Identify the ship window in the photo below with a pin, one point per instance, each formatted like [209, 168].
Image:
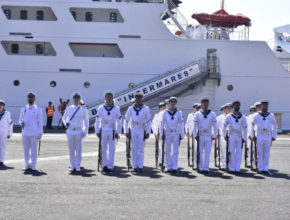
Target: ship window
[230, 87]
[16, 83]
[87, 84]
[96, 50]
[39, 15]
[36, 48]
[113, 17]
[39, 49]
[53, 84]
[89, 16]
[14, 48]
[23, 14]
[7, 13]
[74, 14]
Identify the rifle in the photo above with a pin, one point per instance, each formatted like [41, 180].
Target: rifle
[156, 150]
[188, 151]
[246, 153]
[197, 153]
[128, 150]
[39, 145]
[256, 154]
[163, 152]
[228, 152]
[192, 153]
[100, 151]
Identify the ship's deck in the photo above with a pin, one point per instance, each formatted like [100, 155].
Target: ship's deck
[52, 193]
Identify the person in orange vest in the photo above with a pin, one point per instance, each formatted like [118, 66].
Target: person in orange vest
[49, 113]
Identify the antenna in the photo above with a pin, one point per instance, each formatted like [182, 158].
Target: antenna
[223, 4]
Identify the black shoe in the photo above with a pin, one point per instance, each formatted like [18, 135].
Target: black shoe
[206, 172]
[140, 170]
[2, 164]
[267, 173]
[174, 171]
[231, 172]
[110, 170]
[105, 169]
[260, 172]
[135, 170]
[169, 171]
[238, 173]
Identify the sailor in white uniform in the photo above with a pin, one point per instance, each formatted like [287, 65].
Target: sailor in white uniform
[204, 131]
[223, 144]
[76, 120]
[220, 120]
[189, 131]
[156, 122]
[236, 124]
[6, 130]
[32, 129]
[108, 126]
[172, 126]
[266, 127]
[250, 118]
[138, 119]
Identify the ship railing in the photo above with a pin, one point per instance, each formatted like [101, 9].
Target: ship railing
[135, 1]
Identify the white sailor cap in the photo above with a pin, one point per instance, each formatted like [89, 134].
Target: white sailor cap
[205, 99]
[138, 94]
[76, 95]
[172, 98]
[195, 105]
[222, 107]
[2, 102]
[228, 104]
[166, 101]
[161, 104]
[257, 104]
[264, 101]
[108, 93]
[252, 108]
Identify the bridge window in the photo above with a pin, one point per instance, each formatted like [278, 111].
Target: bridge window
[23, 15]
[96, 15]
[113, 17]
[89, 16]
[7, 13]
[28, 48]
[37, 13]
[39, 49]
[40, 15]
[96, 50]
[14, 48]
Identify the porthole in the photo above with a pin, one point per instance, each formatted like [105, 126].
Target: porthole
[16, 83]
[230, 87]
[131, 85]
[87, 84]
[53, 84]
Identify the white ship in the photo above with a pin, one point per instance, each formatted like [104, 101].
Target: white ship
[56, 47]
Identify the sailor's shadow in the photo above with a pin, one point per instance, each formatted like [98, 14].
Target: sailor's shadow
[278, 175]
[149, 172]
[118, 172]
[182, 173]
[35, 173]
[84, 173]
[215, 173]
[246, 174]
[4, 167]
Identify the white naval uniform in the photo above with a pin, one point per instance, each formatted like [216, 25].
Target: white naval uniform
[109, 120]
[266, 126]
[172, 126]
[189, 130]
[156, 123]
[223, 143]
[138, 119]
[205, 127]
[76, 131]
[249, 122]
[6, 129]
[31, 116]
[237, 127]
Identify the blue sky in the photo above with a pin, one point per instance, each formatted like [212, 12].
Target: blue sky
[265, 14]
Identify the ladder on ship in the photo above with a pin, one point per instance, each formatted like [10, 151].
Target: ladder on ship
[172, 83]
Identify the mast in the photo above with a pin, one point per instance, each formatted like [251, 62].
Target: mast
[223, 4]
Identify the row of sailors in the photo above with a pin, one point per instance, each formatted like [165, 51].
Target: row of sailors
[202, 124]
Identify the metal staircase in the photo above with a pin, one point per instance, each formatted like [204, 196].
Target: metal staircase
[172, 83]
